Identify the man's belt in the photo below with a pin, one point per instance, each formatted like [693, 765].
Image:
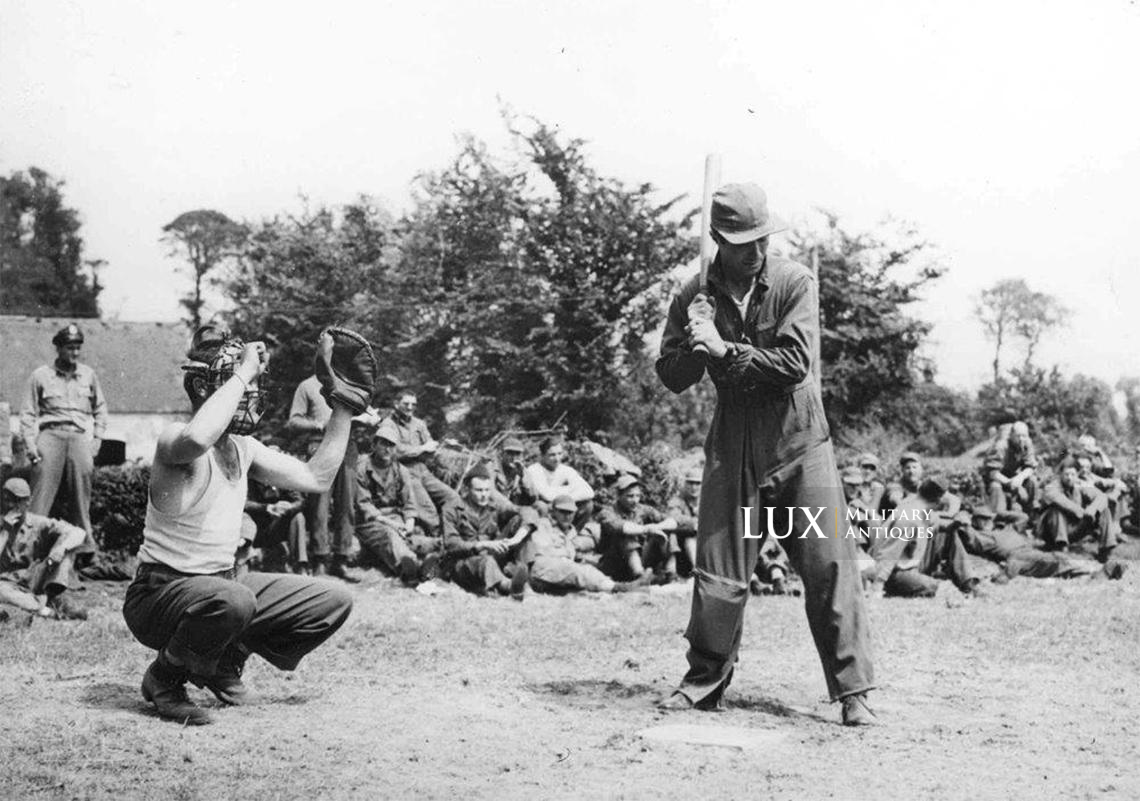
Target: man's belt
[62, 426]
[155, 568]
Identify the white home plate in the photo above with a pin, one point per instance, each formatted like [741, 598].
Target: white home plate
[737, 737]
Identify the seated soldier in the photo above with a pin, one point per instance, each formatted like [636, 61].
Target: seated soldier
[1074, 510]
[1017, 554]
[37, 556]
[280, 532]
[512, 484]
[386, 512]
[1013, 486]
[873, 488]
[551, 477]
[481, 541]
[556, 558]
[1113, 488]
[1005, 513]
[683, 507]
[910, 469]
[861, 517]
[635, 537]
[916, 545]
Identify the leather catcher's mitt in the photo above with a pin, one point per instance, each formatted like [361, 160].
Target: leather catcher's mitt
[346, 368]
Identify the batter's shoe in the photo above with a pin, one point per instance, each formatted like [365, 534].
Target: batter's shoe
[166, 689]
[856, 712]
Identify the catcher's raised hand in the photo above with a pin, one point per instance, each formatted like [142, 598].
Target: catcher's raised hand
[346, 368]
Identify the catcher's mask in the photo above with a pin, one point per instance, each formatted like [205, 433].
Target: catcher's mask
[218, 371]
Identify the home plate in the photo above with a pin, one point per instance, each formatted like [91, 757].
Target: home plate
[738, 737]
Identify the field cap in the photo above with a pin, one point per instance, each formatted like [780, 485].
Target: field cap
[995, 462]
[18, 487]
[852, 475]
[564, 503]
[983, 511]
[626, 481]
[694, 476]
[909, 456]
[68, 335]
[512, 444]
[869, 460]
[388, 432]
[740, 214]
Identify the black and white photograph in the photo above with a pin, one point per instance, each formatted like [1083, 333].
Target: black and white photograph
[560, 400]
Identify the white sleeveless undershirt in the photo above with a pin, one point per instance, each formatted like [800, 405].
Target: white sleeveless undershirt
[203, 537]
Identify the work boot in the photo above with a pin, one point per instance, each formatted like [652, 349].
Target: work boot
[518, 582]
[429, 568]
[226, 683]
[679, 702]
[65, 609]
[336, 570]
[165, 686]
[856, 712]
[409, 570]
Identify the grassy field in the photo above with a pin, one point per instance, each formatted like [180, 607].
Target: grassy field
[1030, 693]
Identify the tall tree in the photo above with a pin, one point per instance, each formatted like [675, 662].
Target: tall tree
[42, 269]
[1011, 309]
[300, 273]
[536, 279]
[205, 238]
[869, 344]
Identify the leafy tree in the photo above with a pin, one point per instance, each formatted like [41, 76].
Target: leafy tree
[299, 274]
[868, 343]
[205, 238]
[1130, 386]
[536, 281]
[42, 269]
[1010, 308]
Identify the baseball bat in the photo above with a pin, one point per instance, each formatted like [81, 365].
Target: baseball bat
[712, 181]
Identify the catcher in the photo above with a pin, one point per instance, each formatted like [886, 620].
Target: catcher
[186, 601]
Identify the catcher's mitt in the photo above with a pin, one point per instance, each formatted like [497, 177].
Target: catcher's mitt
[346, 368]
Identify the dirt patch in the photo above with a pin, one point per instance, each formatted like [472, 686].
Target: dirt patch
[1028, 693]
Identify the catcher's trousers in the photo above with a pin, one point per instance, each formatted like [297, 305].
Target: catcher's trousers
[196, 618]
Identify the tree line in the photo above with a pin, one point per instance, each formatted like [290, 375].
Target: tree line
[524, 288]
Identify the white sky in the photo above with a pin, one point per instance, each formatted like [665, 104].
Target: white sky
[1008, 132]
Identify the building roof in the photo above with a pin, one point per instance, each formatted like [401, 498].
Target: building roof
[137, 363]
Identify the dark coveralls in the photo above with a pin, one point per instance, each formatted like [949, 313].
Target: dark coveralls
[769, 445]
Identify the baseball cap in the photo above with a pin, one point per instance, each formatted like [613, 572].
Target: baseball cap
[387, 431]
[18, 487]
[740, 214]
[626, 481]
[564, 503]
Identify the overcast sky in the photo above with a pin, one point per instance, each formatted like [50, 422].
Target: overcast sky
[1008, 132]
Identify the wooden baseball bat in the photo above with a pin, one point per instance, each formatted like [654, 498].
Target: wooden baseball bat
[712, 181]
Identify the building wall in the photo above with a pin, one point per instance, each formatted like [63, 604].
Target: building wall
[140, 432]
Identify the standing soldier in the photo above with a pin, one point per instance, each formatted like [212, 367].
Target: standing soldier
[328, 515]
[63, 420]
[756, 334]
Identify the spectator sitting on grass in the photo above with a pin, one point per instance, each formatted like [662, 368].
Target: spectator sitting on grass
[637, 538]
[37, 556]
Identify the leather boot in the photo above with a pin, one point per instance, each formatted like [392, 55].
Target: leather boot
[336, 570]
[164, 685]
[226, 683]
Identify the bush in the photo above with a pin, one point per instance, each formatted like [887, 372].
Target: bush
[118, 506]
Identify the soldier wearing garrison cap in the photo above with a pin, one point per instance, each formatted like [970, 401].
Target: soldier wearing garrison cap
[753, 327]
[63, 417]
